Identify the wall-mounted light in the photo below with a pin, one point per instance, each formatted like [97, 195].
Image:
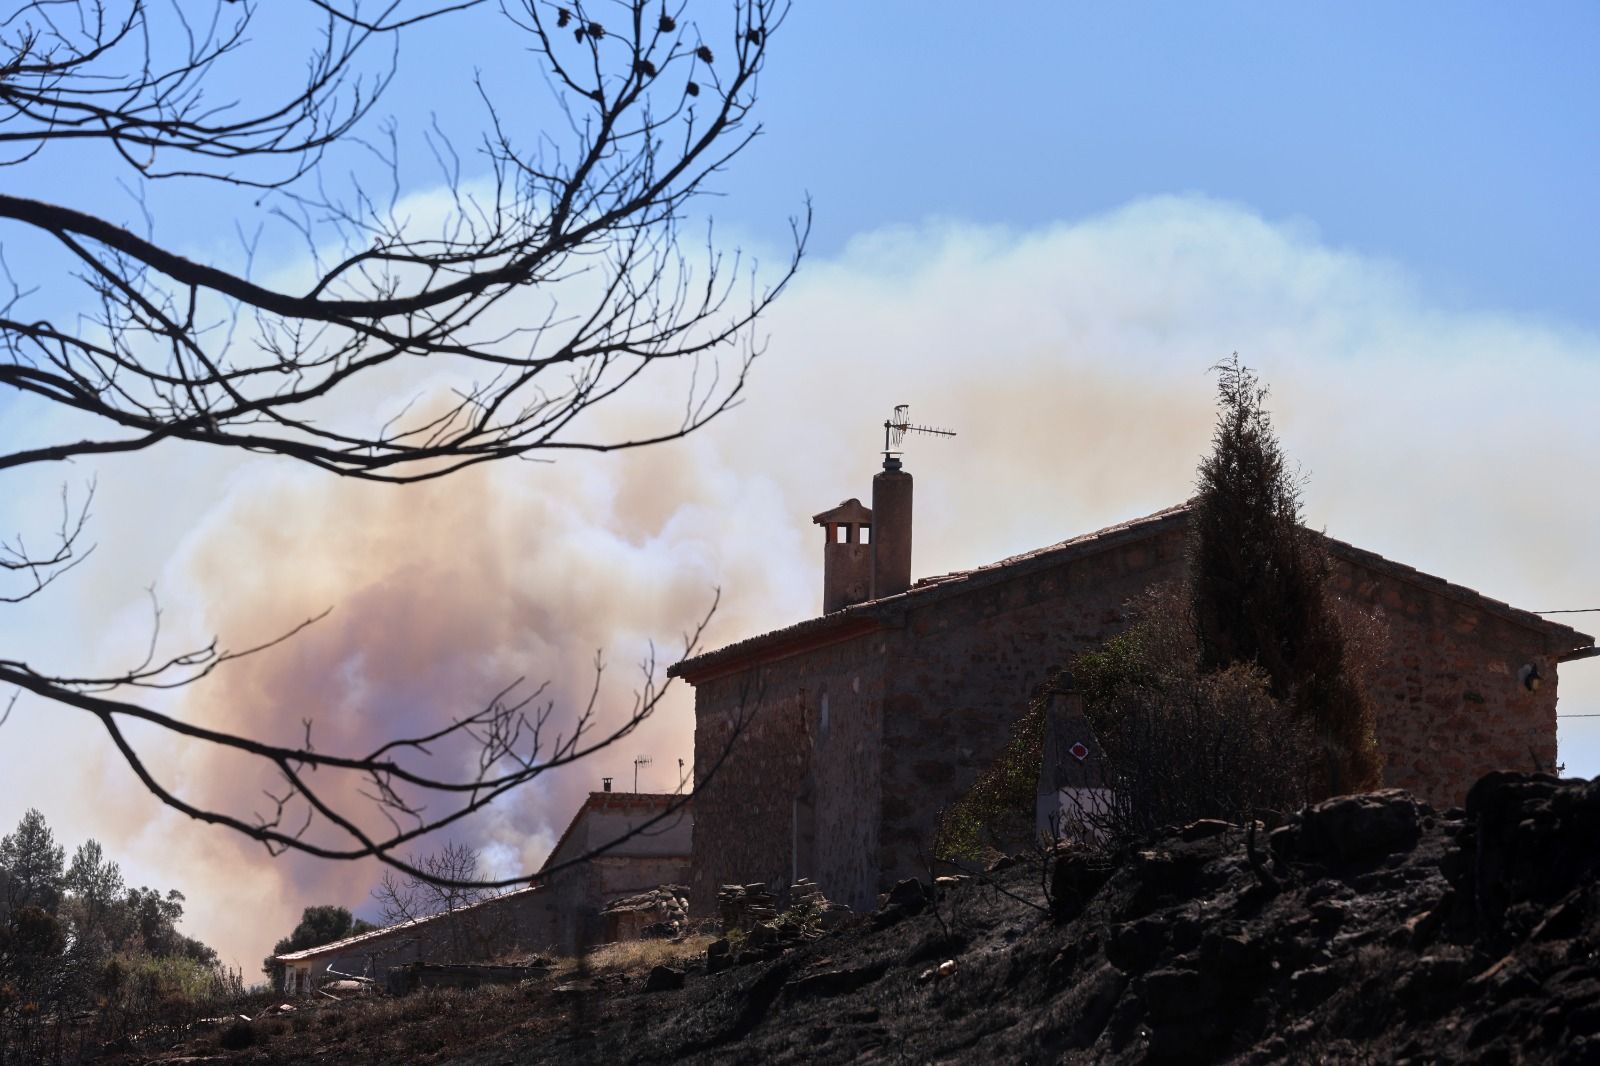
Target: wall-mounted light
[1531, 678]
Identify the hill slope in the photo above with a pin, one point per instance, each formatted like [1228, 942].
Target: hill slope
[1370, 929]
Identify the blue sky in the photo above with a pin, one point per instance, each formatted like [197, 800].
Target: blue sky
[1040, 227]
[1460, 140]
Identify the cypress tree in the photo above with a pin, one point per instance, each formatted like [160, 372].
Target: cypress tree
[1258, 581]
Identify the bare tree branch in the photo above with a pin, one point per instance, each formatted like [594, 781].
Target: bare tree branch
[538, 292]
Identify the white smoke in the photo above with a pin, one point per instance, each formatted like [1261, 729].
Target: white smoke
[1072, 362]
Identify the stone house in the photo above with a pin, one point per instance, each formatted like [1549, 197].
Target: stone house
[561, 911]
[505, 924]
[658, 853]
[858, 726]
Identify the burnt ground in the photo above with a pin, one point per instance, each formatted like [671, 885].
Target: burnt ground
[1368, 929]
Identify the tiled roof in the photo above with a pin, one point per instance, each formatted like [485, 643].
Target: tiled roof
[339, 946]
[645, 801]
[872, 614]
[615, 801]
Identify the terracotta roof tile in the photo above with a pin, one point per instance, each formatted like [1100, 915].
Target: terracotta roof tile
[871, 614]
[649, 801]
[374, 934]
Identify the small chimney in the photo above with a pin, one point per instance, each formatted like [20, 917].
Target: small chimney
[846, 555]
[605, 783]
[891, 531]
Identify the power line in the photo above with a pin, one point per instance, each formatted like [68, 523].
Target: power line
[1573, 610]
[1578, 716]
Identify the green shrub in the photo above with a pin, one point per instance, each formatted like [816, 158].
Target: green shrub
[997, 812]
[1178, 742]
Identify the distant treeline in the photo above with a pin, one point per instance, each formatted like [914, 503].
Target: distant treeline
[84, 958]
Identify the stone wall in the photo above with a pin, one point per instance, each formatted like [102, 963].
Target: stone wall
[576, 896]
[607, 818]
[1450, 696]
[793, 791]
[965, 666]
[518, 921]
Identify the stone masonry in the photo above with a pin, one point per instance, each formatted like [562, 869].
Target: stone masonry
[858, 727]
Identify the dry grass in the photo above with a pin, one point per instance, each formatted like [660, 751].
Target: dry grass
[629, 956]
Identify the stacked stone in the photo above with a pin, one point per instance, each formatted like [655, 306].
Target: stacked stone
[668, 905]
[806, 890]
[768, 934]
[743, 906]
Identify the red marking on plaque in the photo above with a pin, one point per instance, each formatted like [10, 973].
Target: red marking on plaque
[1079, 752]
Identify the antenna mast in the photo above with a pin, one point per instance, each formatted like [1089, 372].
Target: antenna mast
[895, 430]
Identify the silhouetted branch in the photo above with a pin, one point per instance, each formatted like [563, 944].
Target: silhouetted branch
[535, 293]
[510, 752]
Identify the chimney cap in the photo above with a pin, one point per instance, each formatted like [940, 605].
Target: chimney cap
[851, 512]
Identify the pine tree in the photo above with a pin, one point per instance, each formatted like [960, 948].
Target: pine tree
[31, 866]
[318, 926]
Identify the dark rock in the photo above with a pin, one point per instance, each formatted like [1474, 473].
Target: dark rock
[663, 979]
[1135, 947]
[1432, 980]
[238, 1036]
[910, 894]
[1330, 913]
[1094, 999]
[1314, 984]
[892, 914]
[1584, 1020]
[1181, 1040]
[1328, 888]
[1283, 841]
[1177, 994]
[1184, 934]
[1074, 880]
[1233, 954]
[1123, 1024]
[1360, 829]
[834, 982]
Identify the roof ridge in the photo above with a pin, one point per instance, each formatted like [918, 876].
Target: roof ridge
[867, 611]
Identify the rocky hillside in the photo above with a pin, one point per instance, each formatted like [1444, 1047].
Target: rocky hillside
[1369, 929]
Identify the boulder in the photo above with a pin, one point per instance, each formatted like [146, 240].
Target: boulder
[663, 979]
[1354, 830]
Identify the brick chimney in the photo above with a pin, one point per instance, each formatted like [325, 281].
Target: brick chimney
[891, 532]
[846, 555]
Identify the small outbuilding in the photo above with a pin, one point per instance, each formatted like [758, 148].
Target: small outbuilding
[619, 845]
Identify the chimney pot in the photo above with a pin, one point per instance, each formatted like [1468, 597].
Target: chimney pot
[605, 783]
[846, 562]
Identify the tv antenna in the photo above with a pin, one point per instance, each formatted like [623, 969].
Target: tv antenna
[642, 760]
[895, 430]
